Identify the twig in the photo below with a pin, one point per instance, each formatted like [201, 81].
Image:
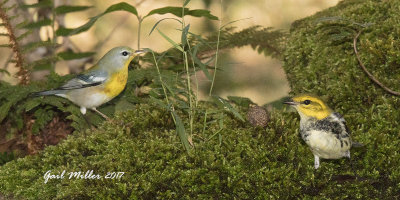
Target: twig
[367, 72]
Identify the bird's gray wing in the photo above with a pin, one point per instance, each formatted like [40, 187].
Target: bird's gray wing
[341, 119]
[353, 143]
[89, 79]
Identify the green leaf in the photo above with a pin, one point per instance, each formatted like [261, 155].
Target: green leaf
[184, 35]
[180, 130]
[44, 63]
[43, 116]
[29, 105]
[156, 24]
[202, 66]
[69, 55]
[186, 3]
[23, 35]
[222, 103]
[4, 110]
[202, 13]
[68, 9]
[170, 41]
[42, 66]
[44, 22]
[55, 101]
[22, 24]
[159, 103]
[62, 31]
[177, 11]
[41, 4]
[33, 45]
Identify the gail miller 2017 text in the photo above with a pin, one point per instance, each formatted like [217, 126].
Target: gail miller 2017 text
[89, 174]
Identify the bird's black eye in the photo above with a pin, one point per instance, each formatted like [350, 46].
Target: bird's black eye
[124, 53]
[307, 102]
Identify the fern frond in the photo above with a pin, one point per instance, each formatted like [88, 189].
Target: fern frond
[264, 40]
[23, 73]
[43, 117]
[34, 45]
[23, 35]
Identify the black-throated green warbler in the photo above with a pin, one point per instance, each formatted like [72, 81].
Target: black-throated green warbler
[324, 130]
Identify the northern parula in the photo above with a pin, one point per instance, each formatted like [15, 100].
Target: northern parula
[100, 83]
[323, 130]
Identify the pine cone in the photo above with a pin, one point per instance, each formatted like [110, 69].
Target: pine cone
[257, 116]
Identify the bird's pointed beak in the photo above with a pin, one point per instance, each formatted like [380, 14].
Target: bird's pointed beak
[290, 102]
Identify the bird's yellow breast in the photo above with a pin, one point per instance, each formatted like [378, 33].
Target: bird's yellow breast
[116, 83]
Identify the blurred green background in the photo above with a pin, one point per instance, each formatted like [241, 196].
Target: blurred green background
[244, 72]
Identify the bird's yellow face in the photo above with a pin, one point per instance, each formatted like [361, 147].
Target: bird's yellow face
[121, 57]
[310, 106]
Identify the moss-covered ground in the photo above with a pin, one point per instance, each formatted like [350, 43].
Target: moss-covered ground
[240, 161]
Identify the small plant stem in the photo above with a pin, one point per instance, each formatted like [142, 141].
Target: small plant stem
[189, 91]
[195, 75]
[140, 19]
[191, 117]
[216, 53]
[162, 85]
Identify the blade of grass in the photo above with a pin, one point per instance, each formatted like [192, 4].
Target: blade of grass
[170, 41]
[228, 107]
[216, 53]
[180, 130]
[162, 85]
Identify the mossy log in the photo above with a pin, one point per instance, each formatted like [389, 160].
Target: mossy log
[240, 161]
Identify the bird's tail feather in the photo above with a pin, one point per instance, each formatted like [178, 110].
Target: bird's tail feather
[47, 93]
[356, 144]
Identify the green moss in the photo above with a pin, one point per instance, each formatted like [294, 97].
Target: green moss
[148, 150]
[317, 62]
[240, 161]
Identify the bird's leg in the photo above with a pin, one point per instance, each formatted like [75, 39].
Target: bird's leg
[316, 161]
[107, 118]
[103, 115]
